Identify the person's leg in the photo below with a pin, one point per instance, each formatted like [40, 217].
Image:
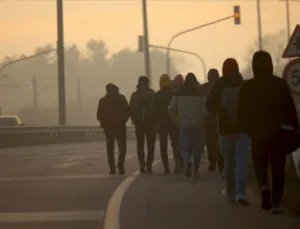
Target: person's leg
[242, 145]
[211, 142]
[260, 159]
[163, 140]
[227, 149]
[173, 131]
[184, 145]
[278, 160]
[140, 139]
[199, 140]
[110, 146]
[122, 145]
[151, 138]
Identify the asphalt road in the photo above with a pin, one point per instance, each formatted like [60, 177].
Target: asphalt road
[67, 187]
[57, 186]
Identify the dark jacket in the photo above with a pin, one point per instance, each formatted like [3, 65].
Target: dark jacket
[141, 107]
[214, 100]
[265, 104]
[162, 100]
[113, 110]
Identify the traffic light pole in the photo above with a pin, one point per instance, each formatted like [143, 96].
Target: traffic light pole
[187, 31]
[61, 65]
[146, 41]
[183, 51]
[260, 42]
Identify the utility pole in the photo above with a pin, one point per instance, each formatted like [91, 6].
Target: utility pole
[288, 19]
[79, 93]
[146, 40]
[260, 42]
[61, 64]
[34, 92]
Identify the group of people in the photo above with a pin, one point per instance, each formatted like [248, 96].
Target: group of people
[229, 115]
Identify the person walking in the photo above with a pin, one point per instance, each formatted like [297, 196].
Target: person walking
[142, 116]
[265, 109]
[211, 128]
[234, 143]
[113, 114]
[166, 126]
[177, 82]
[186, 111]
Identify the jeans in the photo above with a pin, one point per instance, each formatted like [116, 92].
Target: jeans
[235, 150]
[191, 138]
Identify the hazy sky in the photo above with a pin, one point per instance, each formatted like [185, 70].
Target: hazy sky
[26, 24]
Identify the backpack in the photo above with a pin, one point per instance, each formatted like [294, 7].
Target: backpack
[229, 104]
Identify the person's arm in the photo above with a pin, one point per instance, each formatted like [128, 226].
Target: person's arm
[132, 107]
[173, 109]
[126, 109]
[214, 98]
[245, 110]
[100, 110]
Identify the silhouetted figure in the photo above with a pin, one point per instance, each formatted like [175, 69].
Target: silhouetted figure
[211, 128]
[234, 143]
[141, 106]
[186, 111]
[113, 114]
[166, 127]
[177, 82]
[265, 105]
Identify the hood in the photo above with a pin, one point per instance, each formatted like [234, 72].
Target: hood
[191, 81]
[213, 75]
[234, 79]
[178, 80]
[230, 66]
[165, 81]
[262, 65]
[112, 89]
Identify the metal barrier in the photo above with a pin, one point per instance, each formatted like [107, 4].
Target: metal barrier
[22, 136]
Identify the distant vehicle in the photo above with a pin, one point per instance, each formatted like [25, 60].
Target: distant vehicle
[10, 121]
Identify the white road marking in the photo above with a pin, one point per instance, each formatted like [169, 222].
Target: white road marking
[79, 157]
[51, 216]
[66, 165]
[112, 216]
[44, 178]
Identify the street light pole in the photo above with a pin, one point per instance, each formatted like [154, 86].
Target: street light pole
[78, 93]
[288, 21]
[186, 52]
[34, 92]
[61, 64]
[187, 31]
[146, 41]
[260, 42]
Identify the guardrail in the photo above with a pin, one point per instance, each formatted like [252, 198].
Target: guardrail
[21, 136]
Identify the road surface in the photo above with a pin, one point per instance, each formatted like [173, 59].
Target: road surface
[67, 187]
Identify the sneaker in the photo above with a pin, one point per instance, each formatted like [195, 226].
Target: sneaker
[226, 197]
[266, 199]
[112, 172]
[142, 169]
[121, 171]
[276, 210]
[149, 170]
[167, 171]
[211, 169]
[243, 202]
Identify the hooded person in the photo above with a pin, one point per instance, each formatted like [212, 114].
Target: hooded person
[113, 114]
[143, 118]
[265, 107]
[234, 143]
[166, 126]
[186, 111]
[177, 82]
[211, 127]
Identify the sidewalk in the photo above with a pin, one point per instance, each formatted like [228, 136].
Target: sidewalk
[175, 202]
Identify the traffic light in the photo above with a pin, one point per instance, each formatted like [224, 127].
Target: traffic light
[237, 15]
